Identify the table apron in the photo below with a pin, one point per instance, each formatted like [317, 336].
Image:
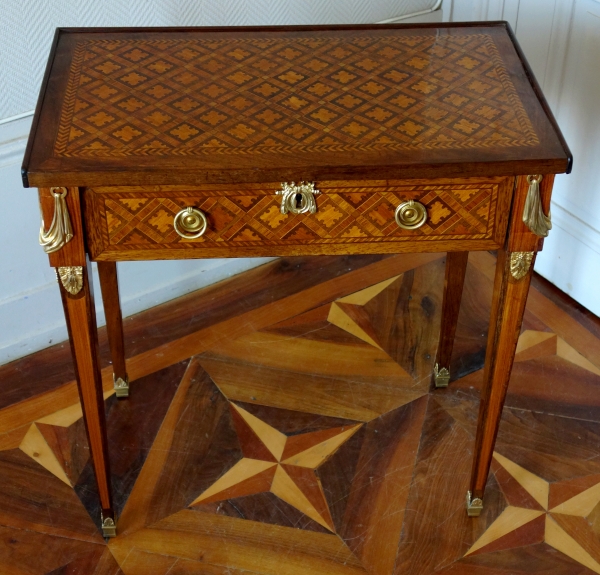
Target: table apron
[349, 217]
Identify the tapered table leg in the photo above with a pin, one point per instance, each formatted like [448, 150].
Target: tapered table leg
[511, 285]
[78, 302]
[456, 267]
[109, 285]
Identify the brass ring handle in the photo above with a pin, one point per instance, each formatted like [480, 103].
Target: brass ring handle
[190, 223]
[411, 215]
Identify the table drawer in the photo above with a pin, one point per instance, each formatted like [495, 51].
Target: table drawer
[352, 216]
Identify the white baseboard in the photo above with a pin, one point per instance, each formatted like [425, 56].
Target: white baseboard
[31, 321]
[572, 224]
[31, 316]
[571, 258]
[34, 320]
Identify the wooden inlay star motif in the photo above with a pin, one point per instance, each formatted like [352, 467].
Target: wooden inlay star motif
[372, 91]
[564, 515]
[283, 465]
[392, 485]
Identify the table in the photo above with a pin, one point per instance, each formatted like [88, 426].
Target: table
[173, 143]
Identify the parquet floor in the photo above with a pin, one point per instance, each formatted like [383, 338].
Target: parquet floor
[282, 422]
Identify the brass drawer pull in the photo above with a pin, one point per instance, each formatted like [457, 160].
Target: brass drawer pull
[298, 199]
[411, 215]
[190, 223]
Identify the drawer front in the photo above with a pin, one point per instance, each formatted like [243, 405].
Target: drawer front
[351, 217]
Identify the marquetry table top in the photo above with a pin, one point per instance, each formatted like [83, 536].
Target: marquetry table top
[163, 106]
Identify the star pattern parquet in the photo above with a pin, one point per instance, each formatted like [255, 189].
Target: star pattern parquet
[279, 464]
[301, 435]
[186, 97]
[560, 514]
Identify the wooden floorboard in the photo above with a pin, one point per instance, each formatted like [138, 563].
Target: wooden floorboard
[147, 330]
[283, 422]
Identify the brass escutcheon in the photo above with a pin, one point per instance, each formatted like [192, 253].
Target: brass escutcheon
[298, 198]
[411, 215]
[190, 223]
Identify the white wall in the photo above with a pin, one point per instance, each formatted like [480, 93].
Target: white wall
[571, 257]
[31, 316]
[30, 311]
[561, 40]
[27, 26]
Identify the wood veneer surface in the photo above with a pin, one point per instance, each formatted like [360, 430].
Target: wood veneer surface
[358, 461]
[352, 217]
[164, 106]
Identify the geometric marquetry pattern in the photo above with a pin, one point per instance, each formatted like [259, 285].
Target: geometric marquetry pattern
[559, 514]
[348, 313]
[369, 91]
[304, 438]
[47, 443]
[535, 344]
[280, 464]
[353, 215]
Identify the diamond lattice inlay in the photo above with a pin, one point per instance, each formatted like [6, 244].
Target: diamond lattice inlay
[347, 215]
[285, 94]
